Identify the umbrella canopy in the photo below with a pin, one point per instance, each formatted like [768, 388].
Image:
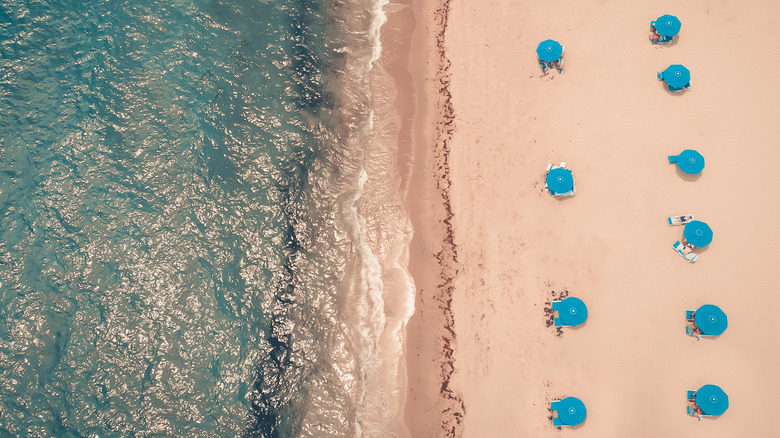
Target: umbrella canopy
[668, 25]
[549, 50]
[677, 75]
[711, 399]
[690, 161]
[698, 233]
[711, 320]
[571, 411]
[572, 311]
[560, 180]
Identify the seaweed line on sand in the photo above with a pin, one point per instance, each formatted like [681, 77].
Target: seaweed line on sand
[453, 407]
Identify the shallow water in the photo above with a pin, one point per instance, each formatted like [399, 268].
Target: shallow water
[200, 223]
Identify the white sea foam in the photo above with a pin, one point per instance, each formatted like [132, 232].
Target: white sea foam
[377, 292]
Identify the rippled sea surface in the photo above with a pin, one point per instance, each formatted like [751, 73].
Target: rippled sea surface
[186, 242]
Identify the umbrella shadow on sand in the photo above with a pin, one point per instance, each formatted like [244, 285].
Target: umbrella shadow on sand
[678, 93]
[686, 176]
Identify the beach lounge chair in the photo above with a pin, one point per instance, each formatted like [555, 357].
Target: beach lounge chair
[558, 64]
[661, 38]
[688, 330]
[563, 164]
[690, 411]
[678, 220]
[673, 158]
[676, 89]
[549, 166]
[660, 76]
[689, 314]
[556, 305]
[569, 193]
[554, 406]
[679, 247]
[558, 322]
[691, 395]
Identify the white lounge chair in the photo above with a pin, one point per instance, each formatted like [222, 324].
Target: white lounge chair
[569, 193]
[679, 247]
[678, 220]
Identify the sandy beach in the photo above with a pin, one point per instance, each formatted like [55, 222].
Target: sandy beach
[491, 249]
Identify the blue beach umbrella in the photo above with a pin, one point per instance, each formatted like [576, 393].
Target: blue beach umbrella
[572, 311]
[698, 233]
[559, 180]
[690, 161]
[677, 75]
[668, 25]
[549, 50]
[712, 400]
[711, 320]
[571, 411]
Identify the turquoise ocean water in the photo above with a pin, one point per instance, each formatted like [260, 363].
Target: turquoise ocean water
[200, 226]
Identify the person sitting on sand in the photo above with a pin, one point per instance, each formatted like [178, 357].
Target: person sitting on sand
[654, 35]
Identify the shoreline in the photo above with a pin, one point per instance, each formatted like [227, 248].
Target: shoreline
[431, 337]
[394, 63]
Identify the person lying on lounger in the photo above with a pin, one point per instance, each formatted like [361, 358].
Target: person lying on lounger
[696, 332]
[558, 64]
[654, 35]
[697, 412]
[680, 220]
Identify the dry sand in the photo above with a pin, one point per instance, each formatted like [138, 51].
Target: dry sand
[482, 362]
